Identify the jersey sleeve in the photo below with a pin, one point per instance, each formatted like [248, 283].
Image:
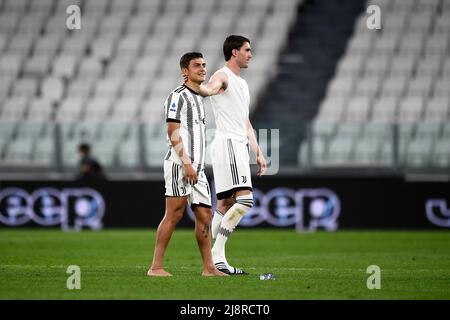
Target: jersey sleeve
[173, 106]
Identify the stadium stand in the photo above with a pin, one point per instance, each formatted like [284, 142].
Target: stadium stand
[106, 83]
[396, 79]
[343, 95]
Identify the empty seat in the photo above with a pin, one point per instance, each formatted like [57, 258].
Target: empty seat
[41, 110]
[141, 23]
[446, 131]
[105, 151]
[32, 23]
[112, 25]
[85, 131]
[350, 64]
[108, 87]
[411, 109]
[149, 6]
[385, 110]
[14, 109]
[331, 112]
[19, 152]
[25, 87]
[367, 86]
[429, 66]
[81, 87]
[420, 22]
[441, 154]
[203, 6]
[340, 151]
[152, 110]
[386, 155]
[377, 132]
[136, 87]
[125, 109]
[366, 152]
[6, 84]
[360, 44]
[10, 64]
[113, 131]
[52, 88]
[377, 65]
[70, 156]
[194, 23]
[43, 153]
[21, 45]
[124, 7]
[128, 154]
[70, 110]
[46, 45]
[9, 22]
[437, 109]
[65, 66]
[120, 67]
[418, 154]
[323, 129]
[38, 65]
[386, 44]
[421, 86]
[97, 109]
[349, 130]
[394, 86]
[358, 109]
[441, 88]
[340, 86]
[3, 41]
[90, 68]
[428, 131]
[403, 65]
[30, 130]
[130, 46]
[75, 45]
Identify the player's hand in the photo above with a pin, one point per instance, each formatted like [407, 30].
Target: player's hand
[262, 165]
[190, 176]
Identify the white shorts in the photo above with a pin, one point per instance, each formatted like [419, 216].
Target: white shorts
[231, 166]
[198, 194]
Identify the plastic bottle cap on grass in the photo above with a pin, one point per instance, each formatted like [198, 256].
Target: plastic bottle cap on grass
[267, 276]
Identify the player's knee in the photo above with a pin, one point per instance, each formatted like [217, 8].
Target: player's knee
[246, 201]
[175, 216]
[225, 204]
[204, 219]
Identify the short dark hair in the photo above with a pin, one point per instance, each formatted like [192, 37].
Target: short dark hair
[84, 147]
[187, 57]
[233, 42]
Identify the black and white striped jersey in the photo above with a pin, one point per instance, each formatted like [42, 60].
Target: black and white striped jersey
[185, 106]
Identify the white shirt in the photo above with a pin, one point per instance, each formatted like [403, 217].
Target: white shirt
[231, 107]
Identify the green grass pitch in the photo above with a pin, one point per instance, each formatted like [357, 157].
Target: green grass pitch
[321, 265]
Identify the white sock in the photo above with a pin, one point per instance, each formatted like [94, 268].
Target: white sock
[229, 222]
[215, 225]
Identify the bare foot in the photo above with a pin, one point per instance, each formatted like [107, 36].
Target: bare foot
[213, 273]
[158, 273]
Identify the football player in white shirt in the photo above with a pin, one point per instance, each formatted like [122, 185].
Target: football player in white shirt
[230, 101]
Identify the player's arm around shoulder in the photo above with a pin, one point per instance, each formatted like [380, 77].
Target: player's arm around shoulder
[217, 84]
